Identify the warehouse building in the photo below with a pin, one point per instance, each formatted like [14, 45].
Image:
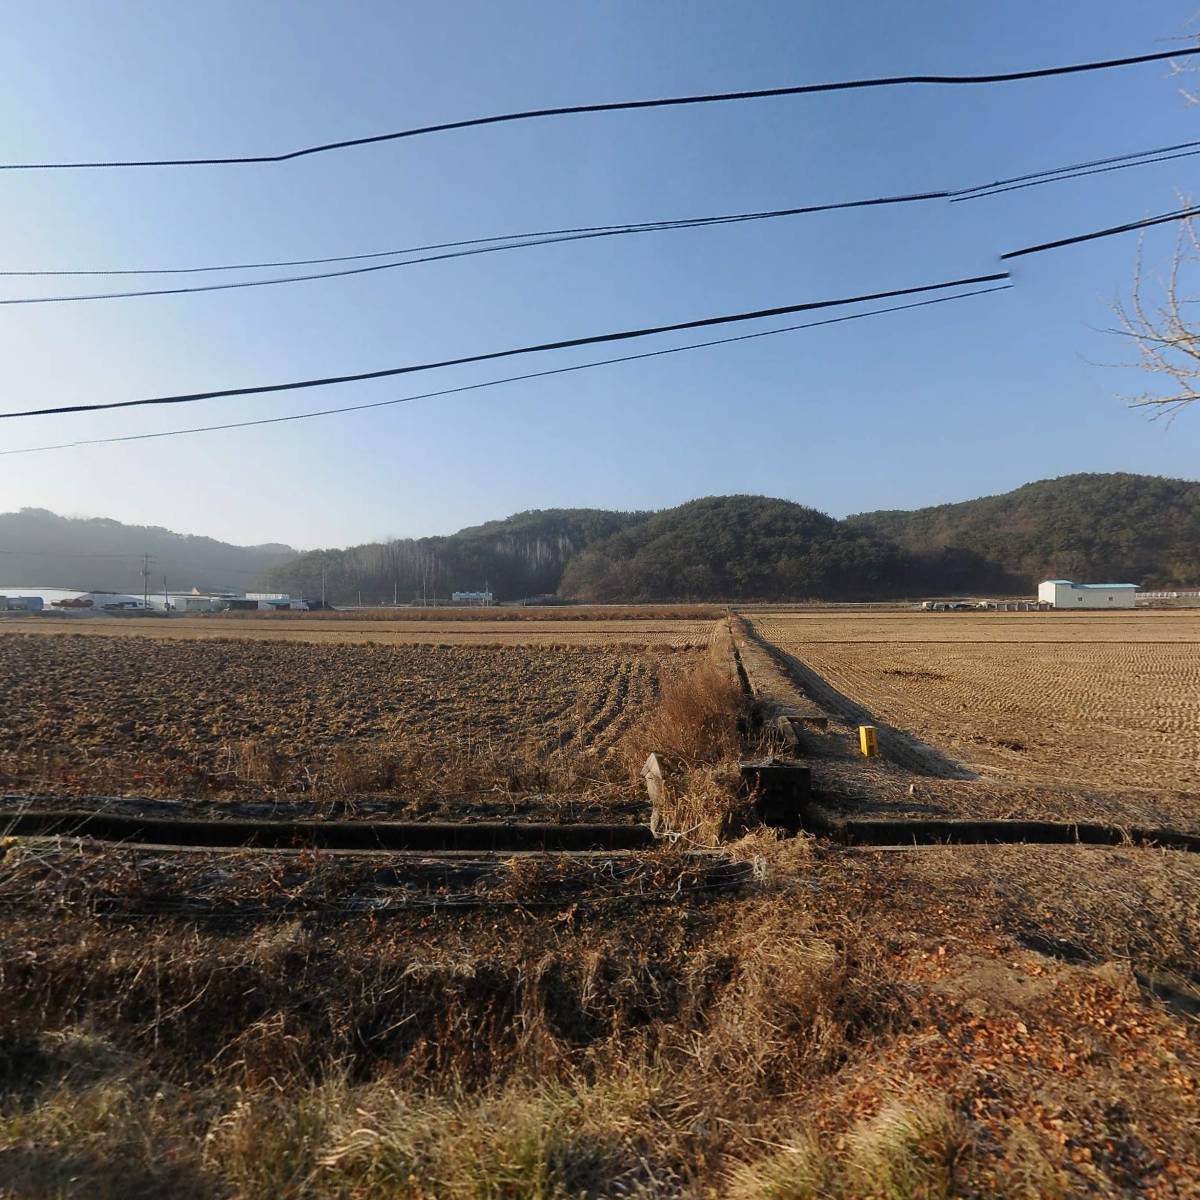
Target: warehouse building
[21, 603]
[75, 600]
[1062, 593]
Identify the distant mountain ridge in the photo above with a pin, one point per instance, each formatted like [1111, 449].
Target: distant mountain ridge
[1111, 528]
[41, 549]
[1101, 527]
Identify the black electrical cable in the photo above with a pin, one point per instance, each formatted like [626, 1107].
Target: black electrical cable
[471, 246]
[1079, 166]
[489, 383]
[531, 240]
[521, 238]
[622, 105]
[540, 348]
[1181, 214]
[996, 190]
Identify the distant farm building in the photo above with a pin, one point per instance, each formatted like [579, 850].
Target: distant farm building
[75, 601]
[268, 601]
[21, 604]
[480, 598]
[188, 602]
[72, 599]
[1062, 593]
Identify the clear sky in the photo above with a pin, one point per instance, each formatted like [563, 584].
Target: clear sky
[904, 410]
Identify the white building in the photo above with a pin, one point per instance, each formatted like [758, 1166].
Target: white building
[1062, 593]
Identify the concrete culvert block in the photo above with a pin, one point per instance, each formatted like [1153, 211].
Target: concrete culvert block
[781, 789]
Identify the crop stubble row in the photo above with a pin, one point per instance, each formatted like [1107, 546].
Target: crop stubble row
[531, 632]
[1109, 700]
[98, 702]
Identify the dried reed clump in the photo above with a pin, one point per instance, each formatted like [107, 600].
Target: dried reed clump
[795, 1007]
[255, 760]
[544, 1142]
[913, 1150]
[696, 720]
[703, 806]
[696, 729]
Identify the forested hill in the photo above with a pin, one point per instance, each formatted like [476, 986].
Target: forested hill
[41, 549]
[739, 548]
[1123, 528]
[1106, 528]
[522, 555]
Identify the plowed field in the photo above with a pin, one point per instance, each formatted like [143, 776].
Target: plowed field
[532, 631]
[168, 717]
[1110, 699]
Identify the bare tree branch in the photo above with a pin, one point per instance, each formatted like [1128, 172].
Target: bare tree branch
[1168, 341]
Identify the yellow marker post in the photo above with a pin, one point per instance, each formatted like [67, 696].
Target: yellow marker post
[868, 743]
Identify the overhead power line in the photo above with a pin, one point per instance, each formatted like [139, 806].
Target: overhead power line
[540, 348]
[476, 248]
[1115, 162]
[467, 247]
[1181, 214]
[489, 383]
[619, 106]
[528, 236]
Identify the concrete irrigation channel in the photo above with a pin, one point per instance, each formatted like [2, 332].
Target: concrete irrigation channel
[489, 836]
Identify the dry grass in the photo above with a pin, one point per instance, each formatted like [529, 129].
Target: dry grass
[696, 719]
[413, 1067]
[1107, 699]
[850, 1026]
[564, 612]
[811, 1041]
[916, 1150]
[698, 729]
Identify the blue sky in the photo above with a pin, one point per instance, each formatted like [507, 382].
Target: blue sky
[899, 411]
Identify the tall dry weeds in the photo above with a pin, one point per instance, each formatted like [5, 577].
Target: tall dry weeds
[697, 720]
[697, 730]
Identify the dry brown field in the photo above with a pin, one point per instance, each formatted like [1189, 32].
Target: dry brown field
[1103, 700]
[474, 613]
[760, 1019]
[343, 628]
[151, 716]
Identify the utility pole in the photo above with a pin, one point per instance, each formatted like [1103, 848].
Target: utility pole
[166, 598]
[147, 559]
[322, 585]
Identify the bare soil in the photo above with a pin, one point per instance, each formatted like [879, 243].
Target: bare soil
[347, 629]
[392, 724]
